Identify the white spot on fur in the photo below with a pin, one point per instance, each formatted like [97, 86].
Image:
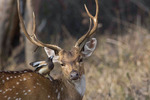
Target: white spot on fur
[2, 76]
[5, 96]
[10, 89]
[24, 79]
[38, 84]
[56, 90]
[29, 90]
[17, 93]
[25, 93]
[24, 90]
[20, 79]
[30, 74]
[3, 81]
[11, 77]
[18, 99]
[58, 96]
[62, 89]
[4, 92]
[13, 86]
[17, 83]
[80, 85]
[34, 86]
[7, 78]
[49, 96]
[8, 98]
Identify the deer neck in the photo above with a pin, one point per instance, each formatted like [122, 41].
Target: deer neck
[80, 85]
[76, 86]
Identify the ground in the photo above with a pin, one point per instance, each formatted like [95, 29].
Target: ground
[119, 68]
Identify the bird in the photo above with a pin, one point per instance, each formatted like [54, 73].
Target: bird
[44, 67]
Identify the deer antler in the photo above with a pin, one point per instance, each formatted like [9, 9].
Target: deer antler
[91, 31]
[33, 37]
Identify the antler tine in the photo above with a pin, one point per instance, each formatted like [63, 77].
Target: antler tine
[84, 37]
[33, 37]
[95, 23]
[22, 23]
[54, 47]
[94, 18]
[34, 24]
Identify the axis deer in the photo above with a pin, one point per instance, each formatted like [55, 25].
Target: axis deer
[29, 85]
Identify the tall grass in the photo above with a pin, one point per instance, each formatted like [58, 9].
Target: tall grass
[119, 69]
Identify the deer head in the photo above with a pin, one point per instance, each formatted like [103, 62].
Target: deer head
[71, 61]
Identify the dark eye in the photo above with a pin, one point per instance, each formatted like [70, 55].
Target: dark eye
[62, 64]
[81, 60]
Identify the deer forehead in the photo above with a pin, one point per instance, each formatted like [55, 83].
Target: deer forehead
[69, 56]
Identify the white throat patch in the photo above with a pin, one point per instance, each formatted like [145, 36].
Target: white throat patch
[80, 85]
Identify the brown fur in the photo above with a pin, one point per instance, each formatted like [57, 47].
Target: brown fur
[30, 85]
[35, 87]
[70, 60]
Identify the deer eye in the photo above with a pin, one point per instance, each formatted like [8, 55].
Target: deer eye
[62, 64]
[80, 60]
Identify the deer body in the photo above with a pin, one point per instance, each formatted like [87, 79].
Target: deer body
[26, 86]
[33, 85]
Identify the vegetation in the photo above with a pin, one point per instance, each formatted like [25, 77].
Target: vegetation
[119, 69]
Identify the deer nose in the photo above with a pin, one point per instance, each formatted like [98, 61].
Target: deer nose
[74, 75]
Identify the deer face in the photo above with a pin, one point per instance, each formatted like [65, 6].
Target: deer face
[71, 64]
[72, 61]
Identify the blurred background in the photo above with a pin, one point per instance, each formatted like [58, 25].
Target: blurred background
[119, 69]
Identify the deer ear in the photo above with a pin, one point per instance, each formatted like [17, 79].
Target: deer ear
[50, 53]
[89, 47]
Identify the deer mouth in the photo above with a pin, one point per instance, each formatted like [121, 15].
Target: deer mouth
[74, 78]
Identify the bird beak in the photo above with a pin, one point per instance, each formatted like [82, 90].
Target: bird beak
[51, 57]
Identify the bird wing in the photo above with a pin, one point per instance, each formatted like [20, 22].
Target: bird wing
[38, 64]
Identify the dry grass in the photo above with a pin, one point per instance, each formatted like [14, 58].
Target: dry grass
[120, 67]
